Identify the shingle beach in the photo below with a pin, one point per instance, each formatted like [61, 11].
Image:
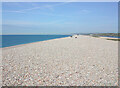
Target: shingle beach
[81, 61]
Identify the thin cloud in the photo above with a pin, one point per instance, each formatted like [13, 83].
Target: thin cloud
[24, 10]
[46, 6]
[51, 7]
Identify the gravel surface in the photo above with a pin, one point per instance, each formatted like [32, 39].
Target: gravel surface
[81, 61]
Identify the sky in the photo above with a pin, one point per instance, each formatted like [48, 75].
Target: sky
[59, 17]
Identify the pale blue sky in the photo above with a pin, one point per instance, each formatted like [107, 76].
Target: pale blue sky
[59, 17]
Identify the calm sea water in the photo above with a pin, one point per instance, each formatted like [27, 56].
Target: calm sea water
[11, 40]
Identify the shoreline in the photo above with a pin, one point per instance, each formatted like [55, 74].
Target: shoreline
[55, 39]
[14, 46]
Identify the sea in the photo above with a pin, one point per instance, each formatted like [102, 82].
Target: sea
[12, 40]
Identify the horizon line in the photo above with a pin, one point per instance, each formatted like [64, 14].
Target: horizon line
[57, 34]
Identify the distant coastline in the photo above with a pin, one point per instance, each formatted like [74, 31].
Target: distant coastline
[108, 36]
[117, 35]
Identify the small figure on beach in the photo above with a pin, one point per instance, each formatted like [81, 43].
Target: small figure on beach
[71, 36]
